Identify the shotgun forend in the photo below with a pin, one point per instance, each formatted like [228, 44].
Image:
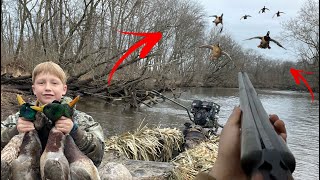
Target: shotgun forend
[262, 149]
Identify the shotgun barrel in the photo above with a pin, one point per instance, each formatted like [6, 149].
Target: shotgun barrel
[262, 149]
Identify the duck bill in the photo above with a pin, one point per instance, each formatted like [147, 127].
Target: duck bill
[74, 101]
[20, 100]
[38, 108]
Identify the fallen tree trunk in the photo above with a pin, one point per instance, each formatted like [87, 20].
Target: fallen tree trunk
[127, 91]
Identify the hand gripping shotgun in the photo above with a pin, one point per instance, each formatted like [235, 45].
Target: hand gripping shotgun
[262, 149]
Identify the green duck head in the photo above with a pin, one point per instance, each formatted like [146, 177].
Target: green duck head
[26, 110]
[55, 110]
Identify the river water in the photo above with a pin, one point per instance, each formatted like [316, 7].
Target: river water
[300, 115]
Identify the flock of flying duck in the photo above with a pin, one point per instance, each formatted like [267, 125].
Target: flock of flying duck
[264, 40]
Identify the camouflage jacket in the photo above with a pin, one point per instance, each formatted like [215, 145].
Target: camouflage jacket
[89, 136]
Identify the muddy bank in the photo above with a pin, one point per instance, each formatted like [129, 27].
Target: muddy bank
[9, 103]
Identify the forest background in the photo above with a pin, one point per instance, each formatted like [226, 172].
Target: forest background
[83, 37]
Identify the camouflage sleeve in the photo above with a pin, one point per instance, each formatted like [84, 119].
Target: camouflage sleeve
[89, 136]
[9, 129]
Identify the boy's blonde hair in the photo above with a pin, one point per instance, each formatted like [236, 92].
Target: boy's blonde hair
[51, 68]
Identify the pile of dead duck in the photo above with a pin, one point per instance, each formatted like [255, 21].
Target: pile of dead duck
[165, 153]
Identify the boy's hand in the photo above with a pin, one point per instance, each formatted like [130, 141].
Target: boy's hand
[64, 124]
[24, 125]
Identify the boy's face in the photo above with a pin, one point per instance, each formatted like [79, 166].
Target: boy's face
[48, 87]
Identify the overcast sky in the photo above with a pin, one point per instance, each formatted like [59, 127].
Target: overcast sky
[257, 25]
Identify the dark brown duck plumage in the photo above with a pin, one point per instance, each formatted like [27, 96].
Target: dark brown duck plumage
[218, 20]
[26, 166]
[265, 41]
[53, 163]
[81, 167]
[9, 153]
[216, 51]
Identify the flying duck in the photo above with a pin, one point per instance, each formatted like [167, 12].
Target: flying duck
[263, 10]
[265, 40]
[216, 51]
[278, 14]
[245, 16]
[218, 20]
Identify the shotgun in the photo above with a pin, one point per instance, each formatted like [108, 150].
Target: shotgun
[262, 149]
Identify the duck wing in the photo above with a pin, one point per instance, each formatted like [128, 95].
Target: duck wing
[206, 46]
[248, 16]
[81, 166]
[221, 28]
[224, 53]
[257, 37]
[241, 17]
[274, 15]
[27, 165]
[214, 16]
[277, 43]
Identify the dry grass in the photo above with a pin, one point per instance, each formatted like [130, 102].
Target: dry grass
[147, 144]
[160, 144]
[199, 159]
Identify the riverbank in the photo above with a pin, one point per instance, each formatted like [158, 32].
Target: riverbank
[9, 103]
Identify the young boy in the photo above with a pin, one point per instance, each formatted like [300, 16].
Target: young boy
[49, 84]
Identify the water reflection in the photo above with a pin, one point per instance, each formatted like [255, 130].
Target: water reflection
[295, 109]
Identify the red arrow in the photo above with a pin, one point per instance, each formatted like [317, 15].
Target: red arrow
[297, 74]
[150, 40]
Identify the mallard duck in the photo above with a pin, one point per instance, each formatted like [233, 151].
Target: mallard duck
[55, 109]
[263, 10]
[26, 166]
[245, 16]
[25, 109]
[278, 14]
[5, 170]
[9, 153]
[81, 167]
[218, 20]
[265, 40]
[216, 51]
[53, 163]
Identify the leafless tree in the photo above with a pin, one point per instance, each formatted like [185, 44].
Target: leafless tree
[303, 32]
[84, 37]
